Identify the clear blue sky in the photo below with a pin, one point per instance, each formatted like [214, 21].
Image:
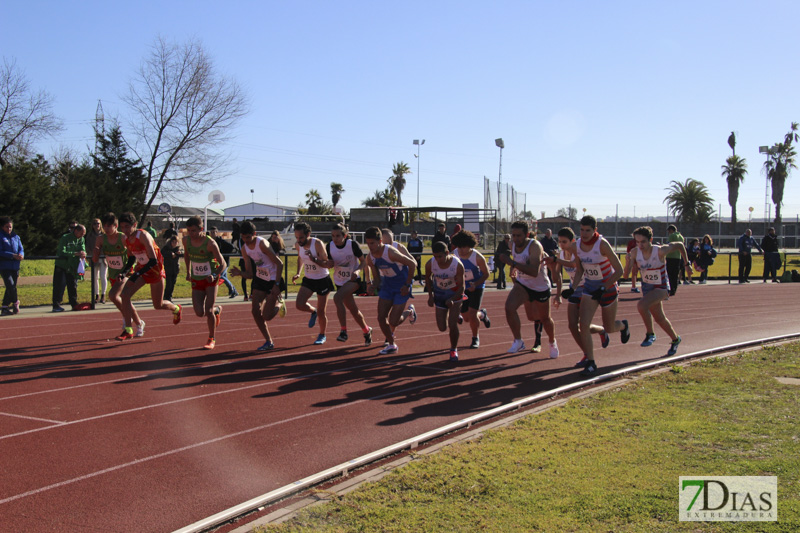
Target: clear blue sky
[599, 103]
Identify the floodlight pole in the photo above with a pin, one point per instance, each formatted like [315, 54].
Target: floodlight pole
[766, 150]
[418, 144]
[500, 144]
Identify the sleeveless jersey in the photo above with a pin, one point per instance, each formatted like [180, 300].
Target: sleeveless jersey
[540, 282]
[596, 266]
[137, 249]
[392, 274]
[312, 270]
[444, 279]
[653, 270]
[265, 268]
[471, 270]
[116, 254]
[570, 271]
[201, 262]
[345, 260]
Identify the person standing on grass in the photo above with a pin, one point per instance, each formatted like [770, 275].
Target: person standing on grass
[204, 268]
[265, 268]
[503, 248]
[172, 254]
[655, 286]
[476, 272]
[151, 230]
[11, 253]
[674, 261]
[99, 267]
[347, 261]
[631, 269]
[705, 258]
[745, 244]
[71, 250]
[311, 257]
[444, 278]
[392, 277]
[144, 254]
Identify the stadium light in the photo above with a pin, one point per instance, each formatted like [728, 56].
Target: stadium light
[418, 144]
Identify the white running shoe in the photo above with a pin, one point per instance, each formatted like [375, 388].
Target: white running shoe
[554, 350]
[517, 346]
[140, 330]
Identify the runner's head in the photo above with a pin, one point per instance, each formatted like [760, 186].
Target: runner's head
[194, 226]
[247, 232]
[301, 232]
[387, 236]
[339, 234]
[440, 253]
[464, 240]
[519, 232]
[588, 227]
[565, 237]
[109, 222]
[373, 239]
[644, 237]
[127, 223]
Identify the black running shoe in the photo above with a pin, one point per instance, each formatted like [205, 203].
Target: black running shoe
[625, 333]
[590, 370]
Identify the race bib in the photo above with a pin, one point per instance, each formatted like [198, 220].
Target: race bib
[115, 262]
[592, 272]
[468, 275]
[445, 283]
[141, 258]
[652, 277]
[343, 275]
[311, 267]
[263, 273]
[201, 269]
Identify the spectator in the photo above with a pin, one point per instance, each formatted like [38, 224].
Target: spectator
[692, 249]
[276, 243]
[441, 236]
[674, 259]
[71, 250]
[772, 257]
[225, 248]
[705, 257]
[503, 248]
[549, 244]
[169, 232]
[745, 245]
[415, 247]
[172, 266]
[236, 233]
[11, 253]
[99, 269]
[151, 230]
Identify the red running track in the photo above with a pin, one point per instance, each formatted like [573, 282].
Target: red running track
[155, 433]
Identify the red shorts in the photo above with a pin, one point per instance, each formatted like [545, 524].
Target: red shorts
[203, 284]
[154, 275]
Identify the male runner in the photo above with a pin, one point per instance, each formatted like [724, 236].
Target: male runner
[312, 257]
[204, 268]
[444, 276]
[347, 261]
[476, 272]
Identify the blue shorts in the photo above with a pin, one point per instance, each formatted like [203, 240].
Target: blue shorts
[608, 298]
[392, 294]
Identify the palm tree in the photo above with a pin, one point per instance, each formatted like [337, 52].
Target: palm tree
[314, 202]
[398, 180]
[336, 193]
[690, 201]
[733, 171]
[780, 162]
[385, 198]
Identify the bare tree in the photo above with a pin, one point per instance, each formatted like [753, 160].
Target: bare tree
[183, 112]
[25, 116]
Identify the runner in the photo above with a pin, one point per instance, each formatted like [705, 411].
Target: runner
[347, 261]
[392, 276]
[531, 287]
[204, 268]
[601, 268]
[145, 254]
[444, 274]
[265, 268]
[312, 257]
[112, 245]
[476, 272]
[568, 262]
[655, 284]
[387, 237]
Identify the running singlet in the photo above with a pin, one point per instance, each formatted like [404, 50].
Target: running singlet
[540, 282]
[312, 270]
[596, 266]
[471, 271]
[137, 249]
[345, 260]
[653, 270]
[444, 279]
[570, 271]
[392, 274]
[116, 254]
[201, 262]
[265, 268]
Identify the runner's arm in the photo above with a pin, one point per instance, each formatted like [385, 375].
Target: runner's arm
[611, 255]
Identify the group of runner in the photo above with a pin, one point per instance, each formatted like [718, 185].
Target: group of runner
[455, 279]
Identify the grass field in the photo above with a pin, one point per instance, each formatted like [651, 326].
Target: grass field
[609, 462]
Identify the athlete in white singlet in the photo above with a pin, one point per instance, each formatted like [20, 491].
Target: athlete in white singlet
[312, 257]
[444, 277]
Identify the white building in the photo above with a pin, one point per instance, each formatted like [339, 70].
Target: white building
[257, 210]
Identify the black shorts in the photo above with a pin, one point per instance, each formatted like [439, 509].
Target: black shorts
[320, 286]
[537, 296]
[262, 285]
[473, 300]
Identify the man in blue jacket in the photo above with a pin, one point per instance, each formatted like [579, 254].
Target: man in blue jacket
[11, 253]
[745, 245]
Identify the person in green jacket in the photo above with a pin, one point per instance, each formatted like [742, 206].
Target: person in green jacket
[674, 260]
[71, 251]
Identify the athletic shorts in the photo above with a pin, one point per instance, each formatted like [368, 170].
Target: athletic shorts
[358, 284]
[609, 297]
[647, 288]
[262, 285]
[203, 284]
[536, 296]
[473, 300]
[393, 294]
[320, 286]
[154, 275]
[575, 299]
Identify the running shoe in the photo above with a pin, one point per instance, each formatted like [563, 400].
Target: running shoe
[266, 346]
[453, 356]
[368, 337]
[590, 370]
[413, 316]
[604, 339]
[58, 309]
[537, 343]
[517, 346]
[342, 336]
[234, 293]
[476, 342]
[176, 314]
[583, 362]
[210, 344]
[390, 349]
[246, 298]
[6, 312]
[673, 347]
[126, 334]
[140, 330]
[635, 289]
[703, 282]
[282, 310]
[460, 319]
[485, 319]
[218, 315]
[625, 333]
[321, 338]
[649, 339]
[312, 320]
[15, 308]
[554, 350]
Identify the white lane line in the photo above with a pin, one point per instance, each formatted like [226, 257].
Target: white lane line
[57, 422]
